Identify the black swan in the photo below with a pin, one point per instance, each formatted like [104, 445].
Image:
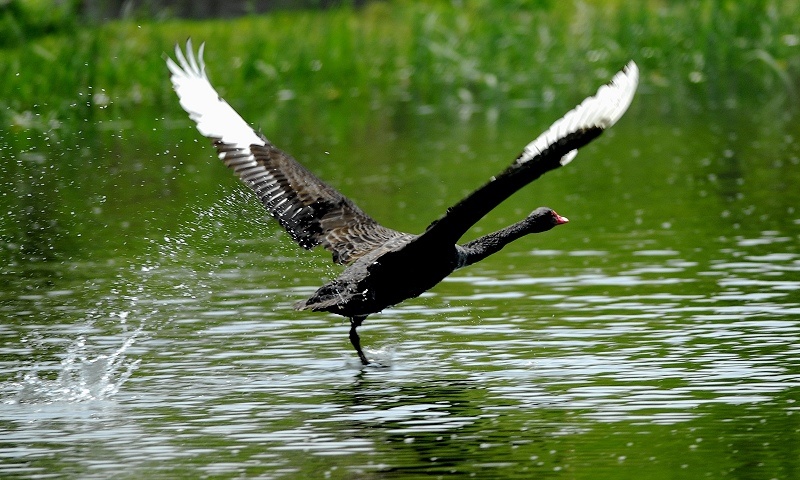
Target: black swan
[385, 266]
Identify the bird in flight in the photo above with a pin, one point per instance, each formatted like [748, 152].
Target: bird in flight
[385, 266]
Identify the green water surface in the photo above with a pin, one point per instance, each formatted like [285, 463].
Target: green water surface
[148, 331]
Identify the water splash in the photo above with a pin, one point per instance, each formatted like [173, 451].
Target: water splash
[81, 376]
[179, 267]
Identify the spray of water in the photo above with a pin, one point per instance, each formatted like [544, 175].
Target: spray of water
[82, 375]
[179, 267]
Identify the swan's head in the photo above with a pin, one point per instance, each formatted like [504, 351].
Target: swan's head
[543, 219]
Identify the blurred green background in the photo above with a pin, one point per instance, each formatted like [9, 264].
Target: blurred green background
[83, 83]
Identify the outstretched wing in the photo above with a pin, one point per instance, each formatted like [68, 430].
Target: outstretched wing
[557, 146]
[313, 212]
[600, 111]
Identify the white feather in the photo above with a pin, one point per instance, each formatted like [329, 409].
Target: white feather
[602, 110]
[214, 117]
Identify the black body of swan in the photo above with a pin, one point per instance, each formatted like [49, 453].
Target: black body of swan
[385, 266]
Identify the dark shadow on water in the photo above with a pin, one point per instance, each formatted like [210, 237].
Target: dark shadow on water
[444, 427]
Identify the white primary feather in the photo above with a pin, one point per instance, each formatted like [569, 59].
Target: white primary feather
[602, 110]
[214, 117]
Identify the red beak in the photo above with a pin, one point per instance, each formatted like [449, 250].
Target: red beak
[560, 220]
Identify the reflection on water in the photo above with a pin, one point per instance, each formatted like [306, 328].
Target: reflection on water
[492, 373]
[656, 337]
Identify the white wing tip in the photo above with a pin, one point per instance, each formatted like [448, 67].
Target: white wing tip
[213, 116]
[625, 83]
[602, 110]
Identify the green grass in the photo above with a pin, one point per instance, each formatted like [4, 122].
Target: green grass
[482, 58]
[23, 20]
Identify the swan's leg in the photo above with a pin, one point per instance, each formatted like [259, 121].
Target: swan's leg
[355, 322]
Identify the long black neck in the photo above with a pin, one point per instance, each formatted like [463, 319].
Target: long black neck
[482, 247]
[466, 213]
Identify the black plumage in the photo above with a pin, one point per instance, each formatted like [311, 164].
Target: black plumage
[385, 266]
